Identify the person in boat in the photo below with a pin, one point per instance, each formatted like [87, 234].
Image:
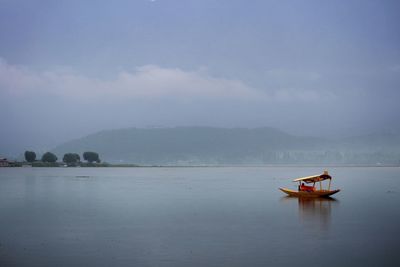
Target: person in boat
[306, 188]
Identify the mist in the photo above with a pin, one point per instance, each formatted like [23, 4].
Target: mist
[308, 68]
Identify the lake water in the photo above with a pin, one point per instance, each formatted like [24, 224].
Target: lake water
[224, 216]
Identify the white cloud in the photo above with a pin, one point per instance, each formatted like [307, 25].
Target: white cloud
[280, 75]
[155, 81]
[146, 81]
[150, 81]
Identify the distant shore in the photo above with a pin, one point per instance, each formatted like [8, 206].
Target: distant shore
[131, 165]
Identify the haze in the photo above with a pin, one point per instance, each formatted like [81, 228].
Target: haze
[71, 68]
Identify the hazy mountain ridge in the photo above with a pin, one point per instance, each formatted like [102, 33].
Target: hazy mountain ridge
[208, 145]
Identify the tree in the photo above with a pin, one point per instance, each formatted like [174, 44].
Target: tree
[71, 158]
[49, 157]
[91, 157]
[30, 156]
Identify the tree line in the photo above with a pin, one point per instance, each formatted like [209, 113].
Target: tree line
[71, 159]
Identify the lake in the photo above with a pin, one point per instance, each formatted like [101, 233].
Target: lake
[211, 216]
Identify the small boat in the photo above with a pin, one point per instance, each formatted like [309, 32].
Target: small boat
[312, 190]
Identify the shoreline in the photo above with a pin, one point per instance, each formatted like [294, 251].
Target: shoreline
[60, 165]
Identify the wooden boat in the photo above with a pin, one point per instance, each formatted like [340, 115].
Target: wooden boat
[311, 191]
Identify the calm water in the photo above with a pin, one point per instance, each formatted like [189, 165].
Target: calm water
[196, 217]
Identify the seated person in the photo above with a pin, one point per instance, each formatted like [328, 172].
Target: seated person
[301, 187]
[306, 188]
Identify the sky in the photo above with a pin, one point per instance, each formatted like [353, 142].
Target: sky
[70, 68]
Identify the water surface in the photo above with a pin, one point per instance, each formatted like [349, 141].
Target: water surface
[226, 216]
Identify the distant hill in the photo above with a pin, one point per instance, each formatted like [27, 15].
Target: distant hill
[207, 145]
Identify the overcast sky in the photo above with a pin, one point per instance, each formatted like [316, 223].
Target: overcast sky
[70, 68]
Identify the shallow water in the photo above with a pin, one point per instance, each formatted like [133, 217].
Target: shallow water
[226, 216]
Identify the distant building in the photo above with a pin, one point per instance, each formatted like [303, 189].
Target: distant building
[9, 163]
[4, 162]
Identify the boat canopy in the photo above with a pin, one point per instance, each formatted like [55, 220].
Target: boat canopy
[314, 178]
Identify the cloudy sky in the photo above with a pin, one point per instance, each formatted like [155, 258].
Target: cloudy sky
[69, 68]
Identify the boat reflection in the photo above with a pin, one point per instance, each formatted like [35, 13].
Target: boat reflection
[314, 212]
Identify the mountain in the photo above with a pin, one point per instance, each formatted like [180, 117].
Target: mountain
[207, 145]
